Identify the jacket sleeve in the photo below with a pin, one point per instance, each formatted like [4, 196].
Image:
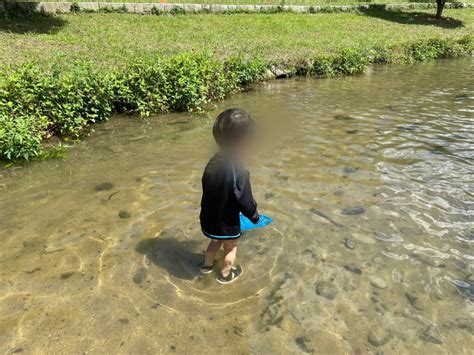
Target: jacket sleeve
[243, 194]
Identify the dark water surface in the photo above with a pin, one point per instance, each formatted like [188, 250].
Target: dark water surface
[369, 179]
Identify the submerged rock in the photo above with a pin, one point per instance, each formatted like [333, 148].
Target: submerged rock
[353, 268]
[351, 131]
[124, 214]
[379, 337]
[269, 195]
[326, 290]
[353, 210]
[343, 117]
[378, 282]
[104, 186]
[350, 243]
[430, 335]
[304, 344]
[140, 275]
[439, 150]
[66, 275]
[414, 301]
[465, 288]
[349, 170]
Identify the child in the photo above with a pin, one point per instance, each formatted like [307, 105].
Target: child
[227, 192]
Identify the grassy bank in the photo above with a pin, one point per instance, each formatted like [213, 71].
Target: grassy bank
[88, 66]
[270, 2]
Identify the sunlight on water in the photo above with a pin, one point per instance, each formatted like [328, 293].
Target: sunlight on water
[369, 180]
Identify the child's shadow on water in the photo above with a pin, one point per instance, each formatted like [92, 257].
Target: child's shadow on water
[176, 257]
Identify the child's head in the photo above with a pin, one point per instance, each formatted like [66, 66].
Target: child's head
[233, 128]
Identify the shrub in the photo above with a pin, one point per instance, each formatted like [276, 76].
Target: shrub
[19, 138]
[177, 10]
[156, 11]
[64, 100]
[75, 7]
[346, 62]
[433, 48]
[350, 62]
[245, 72]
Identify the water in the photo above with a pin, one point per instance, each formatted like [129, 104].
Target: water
[369, 180]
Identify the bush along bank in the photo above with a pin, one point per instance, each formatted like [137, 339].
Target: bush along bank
[37, 103]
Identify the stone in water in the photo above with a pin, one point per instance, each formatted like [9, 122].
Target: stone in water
[350, 243]
[379, 337]
[378, 282]
[124, 214]
[104, 186]
[325, 289]
[353, 210]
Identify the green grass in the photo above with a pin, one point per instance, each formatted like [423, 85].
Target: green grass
[114, 39]
[70, 71]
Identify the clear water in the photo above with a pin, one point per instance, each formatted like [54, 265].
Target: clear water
[75, 277]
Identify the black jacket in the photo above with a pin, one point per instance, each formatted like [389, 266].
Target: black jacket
[226, 192]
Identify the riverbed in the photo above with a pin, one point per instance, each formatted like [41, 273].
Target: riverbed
[369, 180]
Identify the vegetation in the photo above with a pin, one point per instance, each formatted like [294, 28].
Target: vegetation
[140, 70]
[273, 2]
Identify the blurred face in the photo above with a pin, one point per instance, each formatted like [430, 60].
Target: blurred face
[243, 146]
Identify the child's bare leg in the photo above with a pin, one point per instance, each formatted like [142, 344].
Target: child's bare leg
[211, 252]
[230, 252]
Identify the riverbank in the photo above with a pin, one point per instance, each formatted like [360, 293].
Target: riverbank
[66, 72]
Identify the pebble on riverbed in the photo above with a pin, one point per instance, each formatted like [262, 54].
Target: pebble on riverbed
[104, 186]
[378, 282]
[269, 195]
[414, 301]
[353, 268]
[124, 214]
[304, 344]
[350, 243]
[465, 288]
[430, 335]
[350, 211]
[379, 337]
[343, 117]
[66, 275]
[140, 275]
[349, 170]
[326, 290]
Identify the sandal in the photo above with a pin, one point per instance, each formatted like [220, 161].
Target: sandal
[234, 273]
[205, 269]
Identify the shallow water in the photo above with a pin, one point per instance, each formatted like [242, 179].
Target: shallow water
[369, 179]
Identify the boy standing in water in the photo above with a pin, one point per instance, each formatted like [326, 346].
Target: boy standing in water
[227, 192]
